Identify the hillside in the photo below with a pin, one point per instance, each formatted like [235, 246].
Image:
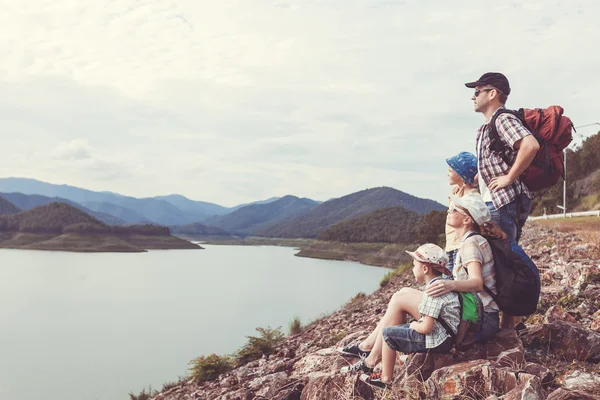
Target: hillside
[198, 229]
[388, 225]
[556, 358]
[7, 207]
[354, 205]
[123, 213]
[249, 219]
[583, 182]
[59, 226]
[29, 201]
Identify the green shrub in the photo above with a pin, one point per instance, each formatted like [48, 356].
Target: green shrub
[206, 368]
[258, 346]
[143, 395]
[295, 326]
[398, 271]
[386, 279]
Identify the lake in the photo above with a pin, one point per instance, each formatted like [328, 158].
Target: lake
[77, 326]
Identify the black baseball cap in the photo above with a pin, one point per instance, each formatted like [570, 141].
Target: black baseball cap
[496, 79]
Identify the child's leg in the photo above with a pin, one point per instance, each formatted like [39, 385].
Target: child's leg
[405, 301]
[388, 359]
[399, 338]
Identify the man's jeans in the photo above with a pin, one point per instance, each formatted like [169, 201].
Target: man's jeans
[511, 217]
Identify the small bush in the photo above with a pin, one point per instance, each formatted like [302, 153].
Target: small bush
[335, 335]
[360, 296]
[143, 395]
[398, 271]
[386, 279]
[295, 326]
[206, 368]
[258, 346]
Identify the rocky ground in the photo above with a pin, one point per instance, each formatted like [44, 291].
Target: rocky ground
[558, 359]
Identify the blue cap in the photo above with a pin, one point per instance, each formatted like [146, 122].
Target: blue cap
[465, 165]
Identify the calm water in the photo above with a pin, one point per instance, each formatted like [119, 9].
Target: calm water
[97, 326]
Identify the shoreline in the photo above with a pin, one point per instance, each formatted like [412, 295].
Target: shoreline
[92, 243]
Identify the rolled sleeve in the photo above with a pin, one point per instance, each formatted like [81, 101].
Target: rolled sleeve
[510, 129]
[431, 306]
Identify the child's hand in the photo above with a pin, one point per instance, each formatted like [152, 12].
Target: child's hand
[414, 326]
[440, 287]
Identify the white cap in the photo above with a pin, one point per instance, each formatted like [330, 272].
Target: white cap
[432, 254]
[475, 205]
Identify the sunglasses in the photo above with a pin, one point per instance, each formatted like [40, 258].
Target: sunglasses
[454, 208]
[478, 91]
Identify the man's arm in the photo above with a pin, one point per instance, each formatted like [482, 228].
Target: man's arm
[523, 142]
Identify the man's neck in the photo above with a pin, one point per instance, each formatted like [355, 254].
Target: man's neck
[490, 111]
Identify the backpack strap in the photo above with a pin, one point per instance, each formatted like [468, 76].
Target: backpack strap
[495, 141]
[446, 326]
[487, 289]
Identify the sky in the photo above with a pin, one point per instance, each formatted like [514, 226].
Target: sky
[233, 101]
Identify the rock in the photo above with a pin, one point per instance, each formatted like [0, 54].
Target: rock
[582, 381]
[292, 392]
[315, 363]
[268, 386]
[565, 394]
[585, 308]
[512, 358]
[596, 321]
[557, 313]
[529, 389]
[241, 394]
[228, 381]
[338, 386]
[546, 376]
[566, 340]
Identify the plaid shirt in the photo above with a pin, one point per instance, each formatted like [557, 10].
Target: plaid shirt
[446, 307]
[510, 130]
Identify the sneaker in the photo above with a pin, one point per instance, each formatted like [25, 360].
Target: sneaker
[355, 351]
[374, 380]
[360, 366]
[521, 329]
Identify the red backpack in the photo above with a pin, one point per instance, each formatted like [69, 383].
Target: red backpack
[553, 132]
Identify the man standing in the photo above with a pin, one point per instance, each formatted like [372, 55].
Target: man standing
[508, 199]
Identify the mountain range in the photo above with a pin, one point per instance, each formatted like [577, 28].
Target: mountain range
[164, 210]
[281, 217]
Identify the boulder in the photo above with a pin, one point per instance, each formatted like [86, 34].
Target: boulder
[558, 313]
[565, 340]
[336, 386]
[583, 381]
[566, 394]
[529, 389]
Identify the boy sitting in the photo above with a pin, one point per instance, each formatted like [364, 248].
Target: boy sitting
[426, 334]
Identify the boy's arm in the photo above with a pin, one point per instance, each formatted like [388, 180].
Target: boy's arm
[424, 325]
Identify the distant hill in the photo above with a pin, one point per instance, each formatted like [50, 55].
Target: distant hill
[198, 229]
[50, 218]
[583, 182]
[249, 219]
[151, 209]
[7, 207]
[59, 226]
[354, 205]
[123, 213]
[29, 201]
[198, 210]
[267, 201]
[387, 225]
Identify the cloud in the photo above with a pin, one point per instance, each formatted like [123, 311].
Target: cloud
[233, 101]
